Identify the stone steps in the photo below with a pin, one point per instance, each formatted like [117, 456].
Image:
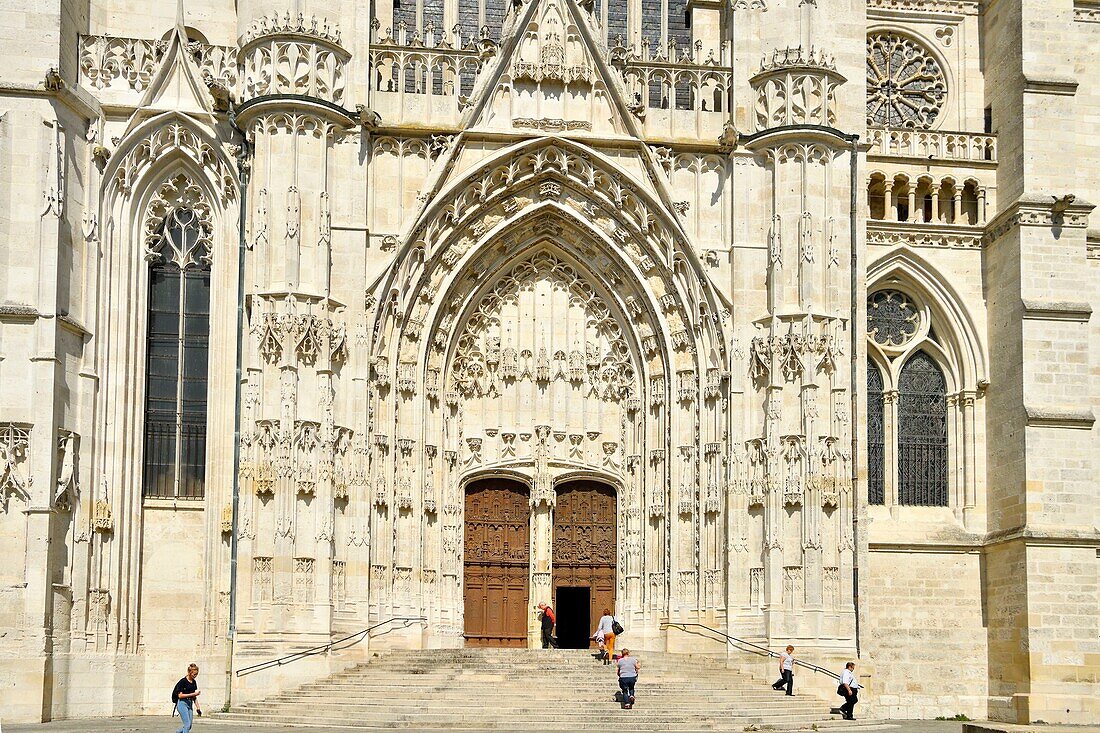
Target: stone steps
[494, 689]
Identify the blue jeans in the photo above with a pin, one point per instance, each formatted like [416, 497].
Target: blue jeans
[626, 684]
[183, 707]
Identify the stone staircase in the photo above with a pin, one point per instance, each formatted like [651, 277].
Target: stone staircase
[528, 689]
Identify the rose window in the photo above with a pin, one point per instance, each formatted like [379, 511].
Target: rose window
[892, 319]
[906, 86]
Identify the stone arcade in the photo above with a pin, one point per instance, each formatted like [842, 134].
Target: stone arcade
[770, 315]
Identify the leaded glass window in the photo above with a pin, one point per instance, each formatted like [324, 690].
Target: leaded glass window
[906, 86]
[876, 437]
[177, 341]
[892, 318]
[922, 433]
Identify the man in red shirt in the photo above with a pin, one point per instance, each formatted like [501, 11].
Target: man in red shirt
[548, 621]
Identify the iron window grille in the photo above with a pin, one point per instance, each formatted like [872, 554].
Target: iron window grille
[876, 437]
[922, 433]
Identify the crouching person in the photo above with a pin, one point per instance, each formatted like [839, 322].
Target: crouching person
[627, 668]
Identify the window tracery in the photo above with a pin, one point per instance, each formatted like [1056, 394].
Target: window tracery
[907, 406]
[179, 226]
[906, 85]
[178, 245]
[892, 318]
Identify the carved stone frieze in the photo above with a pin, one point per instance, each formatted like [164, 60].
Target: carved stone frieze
[15, 478]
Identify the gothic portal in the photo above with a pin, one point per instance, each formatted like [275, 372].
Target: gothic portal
[768, 317]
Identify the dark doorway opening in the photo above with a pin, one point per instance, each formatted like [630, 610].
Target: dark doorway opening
[573, 608]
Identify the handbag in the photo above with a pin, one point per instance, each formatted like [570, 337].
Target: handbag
[616, 627]
[840, 690]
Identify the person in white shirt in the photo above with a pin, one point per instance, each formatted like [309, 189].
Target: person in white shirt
[786, 671]
[849, 687]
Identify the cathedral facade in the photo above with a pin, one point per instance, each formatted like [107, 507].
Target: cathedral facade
[766, 318]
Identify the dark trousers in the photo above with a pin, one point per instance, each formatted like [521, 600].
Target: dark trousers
[626, 684]
[848, 709]
[787, 679]
[547, 636]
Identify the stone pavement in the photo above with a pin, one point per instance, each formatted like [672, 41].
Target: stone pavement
[165, 724]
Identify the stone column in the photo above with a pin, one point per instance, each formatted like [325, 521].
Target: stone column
[293, 124]
[791, 359]
[890, 445]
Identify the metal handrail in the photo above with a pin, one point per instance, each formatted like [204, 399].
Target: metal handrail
[358, 636]
[754, 648]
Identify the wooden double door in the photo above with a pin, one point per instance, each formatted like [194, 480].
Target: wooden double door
[497, 561]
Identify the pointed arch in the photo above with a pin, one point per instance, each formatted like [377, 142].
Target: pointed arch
[158, 143]
[957, 333]
[583, 187]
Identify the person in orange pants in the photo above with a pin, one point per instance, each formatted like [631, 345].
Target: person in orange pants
[605, 635]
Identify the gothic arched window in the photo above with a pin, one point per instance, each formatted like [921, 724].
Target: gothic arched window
[922, 433]
[177, 340]
[910, 414]
[876, 437]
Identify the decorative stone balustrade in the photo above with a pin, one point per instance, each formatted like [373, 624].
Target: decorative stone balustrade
[414, 62]
[794, 87]
[964, 146]
[111, 61]
[293, 55]
[673, 77]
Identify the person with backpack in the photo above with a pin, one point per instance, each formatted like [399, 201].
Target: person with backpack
[605, 635]
[185, 696]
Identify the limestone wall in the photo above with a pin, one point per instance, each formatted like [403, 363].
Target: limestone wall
[925, 644]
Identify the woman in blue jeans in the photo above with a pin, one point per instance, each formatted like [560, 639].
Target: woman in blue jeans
[627, 668]
[185, 695]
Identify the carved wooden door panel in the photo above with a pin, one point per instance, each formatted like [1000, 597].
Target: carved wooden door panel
[585, 545]
[496, 556]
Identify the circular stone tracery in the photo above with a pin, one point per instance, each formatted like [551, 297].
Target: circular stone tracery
[892, 319]
[906, 86]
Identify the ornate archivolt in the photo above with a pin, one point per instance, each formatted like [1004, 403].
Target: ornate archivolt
[636, 230]
[169, 136]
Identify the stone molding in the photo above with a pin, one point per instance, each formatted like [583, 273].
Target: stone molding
[1039, 211]
[892, 234]
[927, 7]
[1086, 11]
[1059, 416]
[1037, 310]
[1063, 86]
